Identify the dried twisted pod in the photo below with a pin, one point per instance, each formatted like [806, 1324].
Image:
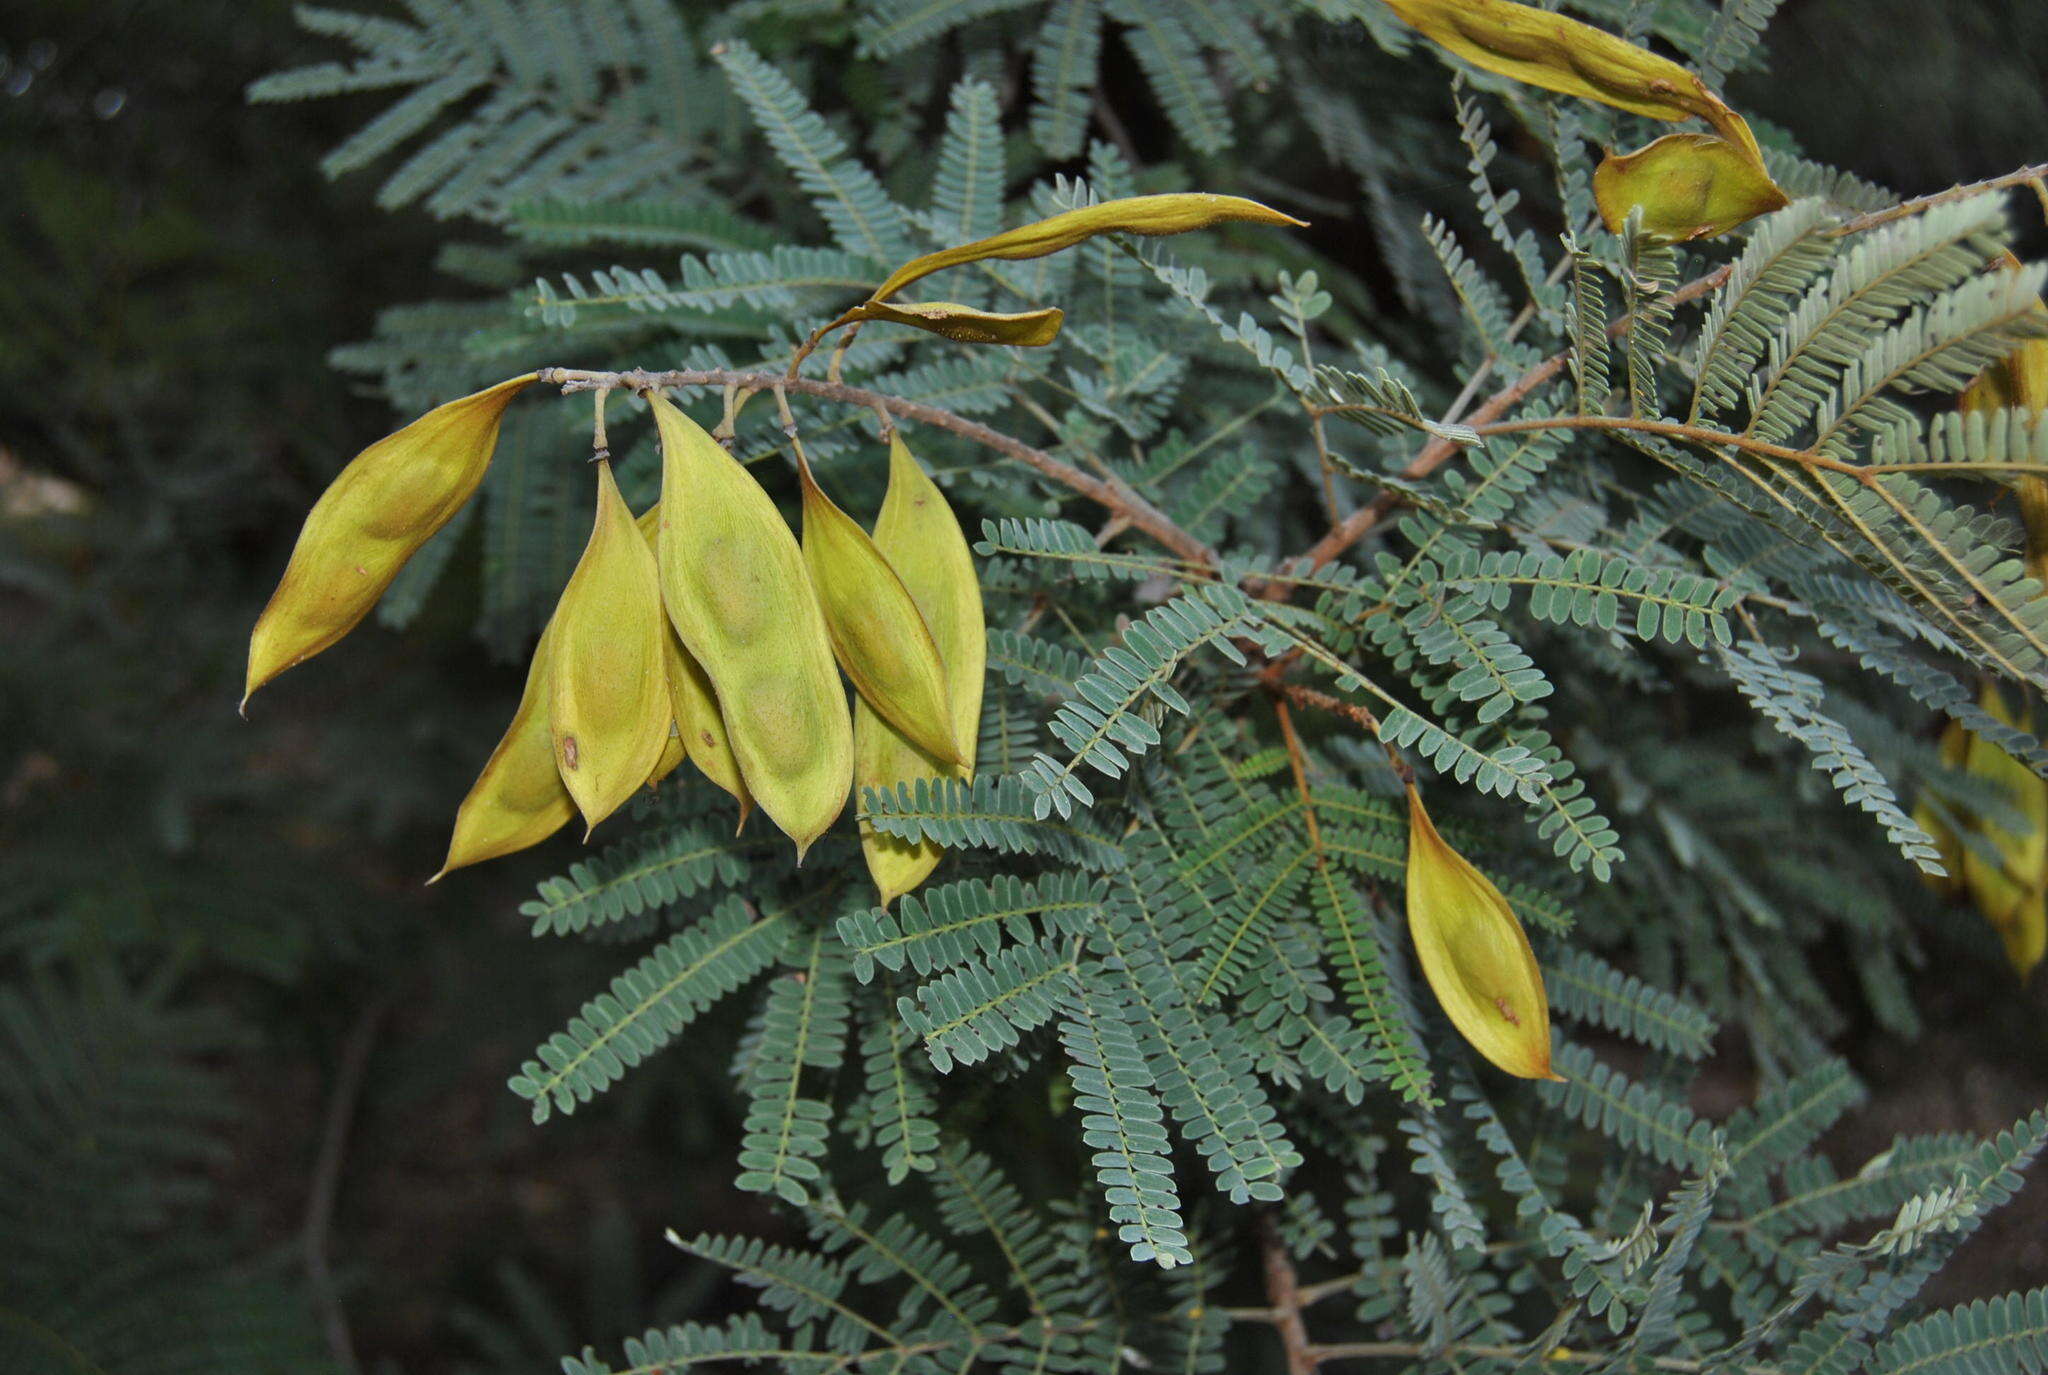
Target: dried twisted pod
[918, 534]
[736, 589]
[608, 701]
[878, 634]
[518, 800]
[389, 500]
[1475, 954]
[1174, 213]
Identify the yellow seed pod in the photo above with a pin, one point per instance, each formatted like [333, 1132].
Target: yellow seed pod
[1174, 213]
[877, 631]
[1955, 748]
[2026, 936]
[608, 700]
[966, 324]
[1475, 954]
[2002, 889]
[1691, 186]
[700, 729]
[1544, 48]
[389, 500]
[518, 800]
[918, 534]
[737, 592]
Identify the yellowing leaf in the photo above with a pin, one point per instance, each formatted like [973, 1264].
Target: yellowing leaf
[518, 800]
[878, 634]
[966, 325]
[920, 536]
[1691, 186]
[1174, 213]
[608, 700]
[389, 500]
[1475, 954]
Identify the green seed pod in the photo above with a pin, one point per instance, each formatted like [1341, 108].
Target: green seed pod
[608, 698]
[737, 592]
[389, 500]
[877, 632]
[700, 729]
[518, 800]
[919, 535]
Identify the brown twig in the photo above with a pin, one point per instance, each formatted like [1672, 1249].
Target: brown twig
[1109, 492]
[1438, 451]
[1283, 1291]
[341, 1107]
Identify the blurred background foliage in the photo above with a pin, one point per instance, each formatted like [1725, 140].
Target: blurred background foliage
[250, 1068]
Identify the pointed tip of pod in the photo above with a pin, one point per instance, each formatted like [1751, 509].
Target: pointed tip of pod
[441, 874]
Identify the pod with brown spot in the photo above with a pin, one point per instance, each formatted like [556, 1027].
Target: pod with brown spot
[389, 500]
[608, 699]
[700, 729]
[1475, 954]
[968, 324]
[519, 799]
[877, 632]
[738, 594]
[919, 535]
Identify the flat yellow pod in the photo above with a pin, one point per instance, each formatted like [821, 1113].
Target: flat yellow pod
[2026, 936]
[389, 500]
[968, 324]
[700, 730]
[1691, 186]
[518, 800]
[919, 535]
[877, 632]
[1173, 213]
[2001, 890]
[1475, 954]
[737, 592]
[608, 700]
[1955, 748]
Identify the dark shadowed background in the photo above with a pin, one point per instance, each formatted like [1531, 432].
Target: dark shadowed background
[227, 920]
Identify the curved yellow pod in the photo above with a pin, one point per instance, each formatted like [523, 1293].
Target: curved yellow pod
[918, 534]
[739, 596]
[877, 632]
[1475, 954]
[389, 500]
[608, 700]
[700, 730]
[1176, 212]
[518, 800]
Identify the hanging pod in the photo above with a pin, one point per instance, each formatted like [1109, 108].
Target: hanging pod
[921, 539]
[389, 500]
[608, 699]
[518, 800]
[2009, 891]
[700, 729]
[1955, 749]
[735, 586]
[1475, 954]
[877, 632]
